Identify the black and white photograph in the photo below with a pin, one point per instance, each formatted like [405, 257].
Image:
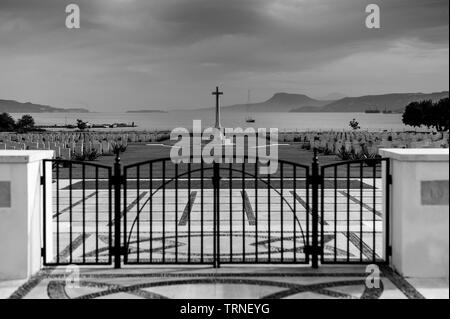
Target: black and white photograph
[212, 151]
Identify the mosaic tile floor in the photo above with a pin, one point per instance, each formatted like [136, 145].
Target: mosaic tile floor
[349, 214]
[232, 282]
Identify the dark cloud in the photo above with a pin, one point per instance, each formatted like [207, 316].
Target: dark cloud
[196, 20]
[148, 47]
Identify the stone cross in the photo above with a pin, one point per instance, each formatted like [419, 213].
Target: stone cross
[217, 93]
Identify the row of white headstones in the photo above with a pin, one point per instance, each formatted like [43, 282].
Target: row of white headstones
[66, 143]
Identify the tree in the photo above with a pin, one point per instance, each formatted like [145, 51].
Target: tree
[25, 124]
[428, 117]
[354, 124]
[429, 114]
[441, 115]
[81, 125]
[413, 115]
[6, 123]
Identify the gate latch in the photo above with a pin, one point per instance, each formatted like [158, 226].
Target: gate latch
[311, 179]
[311, 250]
[119, 180]
[122, 250]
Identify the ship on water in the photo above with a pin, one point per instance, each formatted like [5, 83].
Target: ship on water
[374, 110]
[386, 111]
[377, 111]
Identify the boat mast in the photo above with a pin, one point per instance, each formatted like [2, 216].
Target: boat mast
[248, 102]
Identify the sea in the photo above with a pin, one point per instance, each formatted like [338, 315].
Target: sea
[281, 121]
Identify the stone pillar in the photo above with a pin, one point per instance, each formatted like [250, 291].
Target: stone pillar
[21, 211]
[419, 211]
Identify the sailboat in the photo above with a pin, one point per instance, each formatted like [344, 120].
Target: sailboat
[249, 119]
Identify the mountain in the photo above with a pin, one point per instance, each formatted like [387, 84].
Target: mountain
[332, 96]
[394, 102]
[279, 102]
[11, 106]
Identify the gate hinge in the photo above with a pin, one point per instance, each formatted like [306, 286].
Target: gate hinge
[42, 180]
[122, 250]
[42, 252]
[389, 179]
[389, 251]
[311, 250]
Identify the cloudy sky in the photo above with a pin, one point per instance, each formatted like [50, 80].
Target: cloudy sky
[170, 54]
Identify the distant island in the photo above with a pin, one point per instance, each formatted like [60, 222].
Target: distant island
[11, 106]
[384, 103]
[147, 111]
[279, 102]
[288, 102]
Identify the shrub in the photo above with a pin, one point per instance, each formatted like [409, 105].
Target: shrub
[91, 155]
[370, 157]
[162, 137]
[373, 159]
[354, 124]
[345, 155]
[119, 148]
[81, 125]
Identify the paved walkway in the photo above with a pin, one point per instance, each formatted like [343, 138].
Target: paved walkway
[250, 227]
[229, 282]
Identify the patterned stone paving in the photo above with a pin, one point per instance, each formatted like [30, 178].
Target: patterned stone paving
[351, 218]
[196, 283]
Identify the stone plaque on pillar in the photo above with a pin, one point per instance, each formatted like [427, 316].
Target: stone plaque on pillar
[5, 194]
[434, 193]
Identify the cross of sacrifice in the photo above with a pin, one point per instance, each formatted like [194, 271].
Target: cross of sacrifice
[217, 93]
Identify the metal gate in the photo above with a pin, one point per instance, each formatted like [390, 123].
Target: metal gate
[77, 219]
[218, 213]
[354, 206]
[214, 213]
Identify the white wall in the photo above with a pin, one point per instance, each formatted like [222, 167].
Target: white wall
[419, 233]
[20, 223]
